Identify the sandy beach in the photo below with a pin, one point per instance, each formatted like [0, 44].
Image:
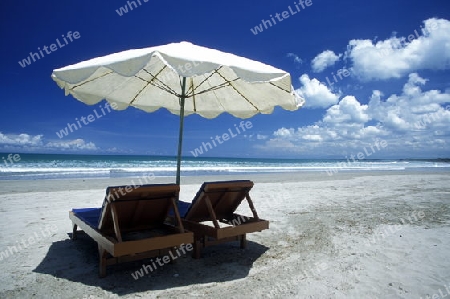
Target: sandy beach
[350, 235]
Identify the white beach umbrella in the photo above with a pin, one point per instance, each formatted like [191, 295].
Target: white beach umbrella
[183, 78]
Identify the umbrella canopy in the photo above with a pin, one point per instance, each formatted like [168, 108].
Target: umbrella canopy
[183, 78]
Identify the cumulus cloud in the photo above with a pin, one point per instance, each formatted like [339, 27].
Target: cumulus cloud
[323, 60]
[315, 93]
[413, 109]
[26, 142]
[412, 123]
[348, 110]
[424, 48]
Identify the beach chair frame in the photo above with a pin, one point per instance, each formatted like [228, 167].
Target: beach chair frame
[133, 226]
[217, 202]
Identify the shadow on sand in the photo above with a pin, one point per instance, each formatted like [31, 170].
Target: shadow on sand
[77, 261]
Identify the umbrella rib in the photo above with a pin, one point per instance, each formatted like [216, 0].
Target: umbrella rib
[225, 83]
[193, 94]
[140, 91]
[93, 79]
[168, 89]
[217, 87]
[161, 84]
[206, 79]
[216, 71]
[148, 83]
[237, 91]
[271, 83]
[212, 88]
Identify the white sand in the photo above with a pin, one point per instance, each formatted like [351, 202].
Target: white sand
[360, 235]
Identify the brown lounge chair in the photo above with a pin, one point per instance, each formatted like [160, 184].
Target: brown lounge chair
[217, 202]
[132, 225]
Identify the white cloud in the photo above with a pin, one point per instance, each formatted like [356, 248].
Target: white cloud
[348, 110]
[261, 137]
[280, 145]
[323, 60]
[20, 140]
[283, 132]
[414, 123]
[413, 109]
[425, 48]
[315, 93]
[77, 144]
[26, 142]
[316, 137]
[297, 59]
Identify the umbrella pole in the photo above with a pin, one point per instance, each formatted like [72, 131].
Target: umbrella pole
[180, 138]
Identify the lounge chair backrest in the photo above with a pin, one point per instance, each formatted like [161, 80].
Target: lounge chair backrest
[225, 197]
[141, 206]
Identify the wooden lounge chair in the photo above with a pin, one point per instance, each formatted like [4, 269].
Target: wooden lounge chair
[212, 218]
[132, 225]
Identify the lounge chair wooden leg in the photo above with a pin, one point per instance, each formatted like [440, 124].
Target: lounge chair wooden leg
[197, 249]
[172, 253]
[74, 231]
[243, 241]
[102, 262]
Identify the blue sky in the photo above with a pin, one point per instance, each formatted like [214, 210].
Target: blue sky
[369, 71]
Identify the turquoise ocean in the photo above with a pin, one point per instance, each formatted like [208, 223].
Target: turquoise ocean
[59, 166]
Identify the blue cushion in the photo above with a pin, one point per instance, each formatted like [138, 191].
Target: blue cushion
[183, 207]
[89, 215]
